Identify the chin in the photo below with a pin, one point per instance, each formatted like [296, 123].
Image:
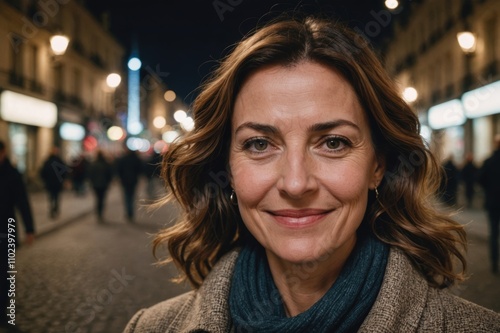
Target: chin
[298, 251]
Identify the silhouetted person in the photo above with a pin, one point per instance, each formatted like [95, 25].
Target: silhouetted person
[152, 170]
[449, 183]
[489, 178]
[54, 171]
[13, 196]
[468, 176]
[129, 168]
[100, 174]
[79, 170]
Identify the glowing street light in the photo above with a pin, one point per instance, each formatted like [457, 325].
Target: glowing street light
[159, 122]
[169, 96]
[59, 44]
[113, 80]
[391, 4]
[134, 64]
[188, 124]
[115, 133]
[180, 115]
[467, 41]
[410, 94]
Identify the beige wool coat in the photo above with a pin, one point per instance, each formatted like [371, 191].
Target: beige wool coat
[405, 303]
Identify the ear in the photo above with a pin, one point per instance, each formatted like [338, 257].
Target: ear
[379, 171]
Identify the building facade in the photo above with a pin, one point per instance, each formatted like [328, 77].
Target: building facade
[46, 98]
[458, 85]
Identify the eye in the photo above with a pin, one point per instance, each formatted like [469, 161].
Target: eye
[260, 145]
[256, 145]
[337, 144]
[333, 143]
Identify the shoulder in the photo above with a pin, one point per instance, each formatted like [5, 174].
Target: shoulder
[406, 303]
[163, 316]
[203, 310]
[461, 315]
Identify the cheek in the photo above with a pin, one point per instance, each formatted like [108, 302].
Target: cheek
[349, 181]
[251, 182]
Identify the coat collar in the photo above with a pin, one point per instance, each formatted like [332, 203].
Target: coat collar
[209, 310]
[399, 305]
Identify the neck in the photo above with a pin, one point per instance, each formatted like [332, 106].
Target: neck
[301, 285]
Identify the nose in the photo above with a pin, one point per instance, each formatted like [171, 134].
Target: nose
[297, 177]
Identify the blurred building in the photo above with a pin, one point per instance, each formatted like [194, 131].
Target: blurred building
[51, 96]
[458, 85]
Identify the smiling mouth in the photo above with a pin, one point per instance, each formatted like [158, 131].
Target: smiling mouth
[298, 218]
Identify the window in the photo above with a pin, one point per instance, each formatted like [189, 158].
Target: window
[490, 38]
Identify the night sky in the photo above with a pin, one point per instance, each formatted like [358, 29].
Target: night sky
[186, 38]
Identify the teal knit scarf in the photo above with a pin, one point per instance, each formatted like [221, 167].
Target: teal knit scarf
[256, 306]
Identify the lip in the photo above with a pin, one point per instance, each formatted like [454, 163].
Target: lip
[298, 218]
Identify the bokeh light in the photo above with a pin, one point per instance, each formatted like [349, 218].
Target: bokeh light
[180, 115]
[169, 96]
[159, 122]
[410, 94]
[170, 136]
[188, 124]
[113, 80]
[134, 64]
[115, 133]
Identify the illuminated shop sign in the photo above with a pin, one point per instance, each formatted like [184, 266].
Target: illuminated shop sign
[72, 132]
[482, 101]
[19, 108]
[447, 114]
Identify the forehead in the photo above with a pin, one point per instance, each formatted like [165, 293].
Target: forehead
[306, 92]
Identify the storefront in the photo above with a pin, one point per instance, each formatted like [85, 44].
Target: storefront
[29, 124]
[467, 124]
[446, 120]
[482, 105]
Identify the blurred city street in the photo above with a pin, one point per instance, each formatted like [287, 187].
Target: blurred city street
[82, 276]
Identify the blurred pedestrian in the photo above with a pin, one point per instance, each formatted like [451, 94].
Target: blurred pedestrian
[152, 170]
[79, 174]
[129, 168]
[54, 172]
[468, 176]
[449, 184]
[100, 174]
[12, 195]
[489, 178]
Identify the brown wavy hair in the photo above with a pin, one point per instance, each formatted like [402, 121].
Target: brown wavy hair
[196, 172]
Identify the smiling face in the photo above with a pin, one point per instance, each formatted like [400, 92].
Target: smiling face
[302, 162]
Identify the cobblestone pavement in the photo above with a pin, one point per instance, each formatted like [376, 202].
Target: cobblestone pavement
[91, 277]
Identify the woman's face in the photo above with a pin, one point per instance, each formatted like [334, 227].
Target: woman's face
[302, 161]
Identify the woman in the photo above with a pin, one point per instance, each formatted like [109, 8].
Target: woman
[307, 195]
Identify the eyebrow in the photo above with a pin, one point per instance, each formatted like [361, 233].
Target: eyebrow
[320, 127]
[268, 129]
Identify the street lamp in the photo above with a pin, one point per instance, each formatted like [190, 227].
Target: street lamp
[169, 96]
[59, 44]
[391, 4]
[113, 80]
[410, 94]
[467, 41]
